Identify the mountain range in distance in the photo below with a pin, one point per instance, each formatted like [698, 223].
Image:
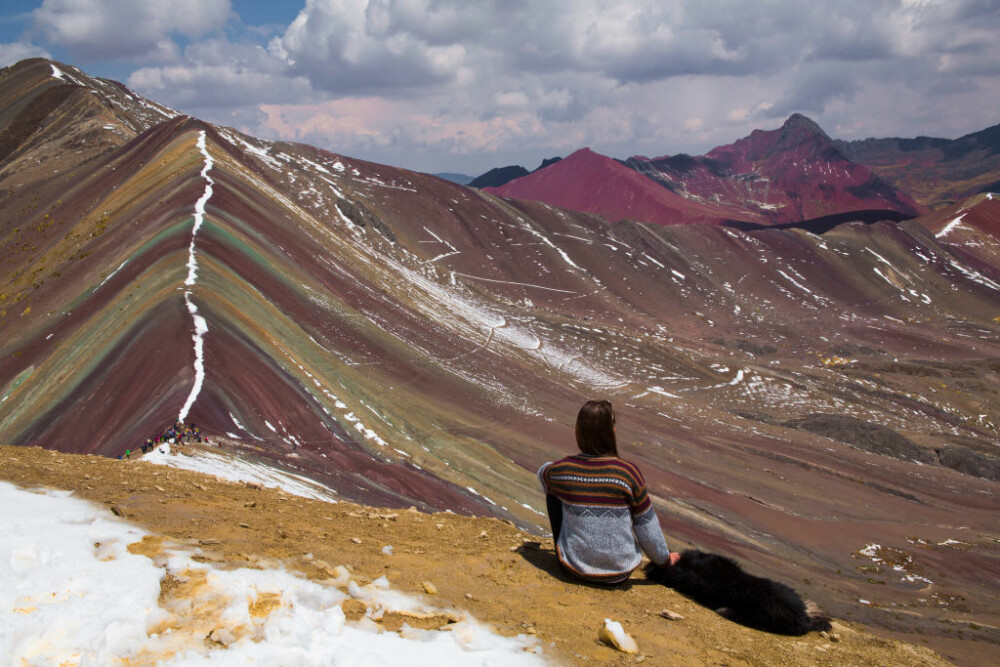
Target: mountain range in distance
[778, 177]
[461, 179]
[792, 397]
[494, 177]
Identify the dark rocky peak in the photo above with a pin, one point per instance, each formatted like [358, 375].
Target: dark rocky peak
[681, 163]
[987, 140]
[798, 129]
[801, 123]
[548, 162]
[498, 176]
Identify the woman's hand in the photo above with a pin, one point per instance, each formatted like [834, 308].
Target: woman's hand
[674, 557]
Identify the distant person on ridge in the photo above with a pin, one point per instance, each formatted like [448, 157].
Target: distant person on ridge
[598, 506]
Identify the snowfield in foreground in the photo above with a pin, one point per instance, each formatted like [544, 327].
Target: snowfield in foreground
[72, 593]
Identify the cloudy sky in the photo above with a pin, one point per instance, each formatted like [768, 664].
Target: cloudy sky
[463, 86]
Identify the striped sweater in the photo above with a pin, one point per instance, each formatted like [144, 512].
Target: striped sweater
[607, 517]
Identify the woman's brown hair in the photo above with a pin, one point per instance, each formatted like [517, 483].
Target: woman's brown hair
[595, 429]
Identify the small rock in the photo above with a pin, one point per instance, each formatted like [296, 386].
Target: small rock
[222, 636]
[483, 535]
[117, 511]
[387, 550]
[430, 588]
[356, 540]
[671, 615]
[439, 526]
[612, 634]
[470, 596]
[244, 525]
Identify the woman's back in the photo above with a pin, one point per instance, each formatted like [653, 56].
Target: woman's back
[606, 517]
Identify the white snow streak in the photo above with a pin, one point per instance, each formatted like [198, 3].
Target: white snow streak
[544, 239]
[646, 255]
[511, 282]
[954, 224]
[200, 325]
[976, 277]
[111, 275]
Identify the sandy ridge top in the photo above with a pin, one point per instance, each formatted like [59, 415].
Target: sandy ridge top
[503, 576]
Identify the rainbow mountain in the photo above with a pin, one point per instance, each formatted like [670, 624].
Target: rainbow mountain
[791, 397]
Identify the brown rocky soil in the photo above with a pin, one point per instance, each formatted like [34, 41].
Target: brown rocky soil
[501, 575]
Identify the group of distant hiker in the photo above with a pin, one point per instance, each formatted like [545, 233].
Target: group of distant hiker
[178, 434]
[603, 521]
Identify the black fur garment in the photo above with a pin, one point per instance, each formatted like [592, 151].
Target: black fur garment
[719, 583]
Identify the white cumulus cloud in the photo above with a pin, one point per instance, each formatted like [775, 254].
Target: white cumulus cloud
[15, 51]
[450, 84]
[127, 29]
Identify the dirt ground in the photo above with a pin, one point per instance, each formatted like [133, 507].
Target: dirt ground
[503, 576]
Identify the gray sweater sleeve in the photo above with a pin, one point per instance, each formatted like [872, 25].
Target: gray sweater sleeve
[541, 476]
[647, 531]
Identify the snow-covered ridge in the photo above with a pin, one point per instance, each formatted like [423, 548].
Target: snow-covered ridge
[200, 325]
[133, 111]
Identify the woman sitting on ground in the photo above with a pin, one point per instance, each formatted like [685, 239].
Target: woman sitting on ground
[598, 506]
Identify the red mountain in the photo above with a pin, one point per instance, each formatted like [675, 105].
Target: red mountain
[589, 182]
[772, 177]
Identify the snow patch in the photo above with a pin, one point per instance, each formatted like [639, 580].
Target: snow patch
[68, 558]
[230, 467]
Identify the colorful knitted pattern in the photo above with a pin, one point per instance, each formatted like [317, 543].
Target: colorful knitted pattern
[607, 516]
